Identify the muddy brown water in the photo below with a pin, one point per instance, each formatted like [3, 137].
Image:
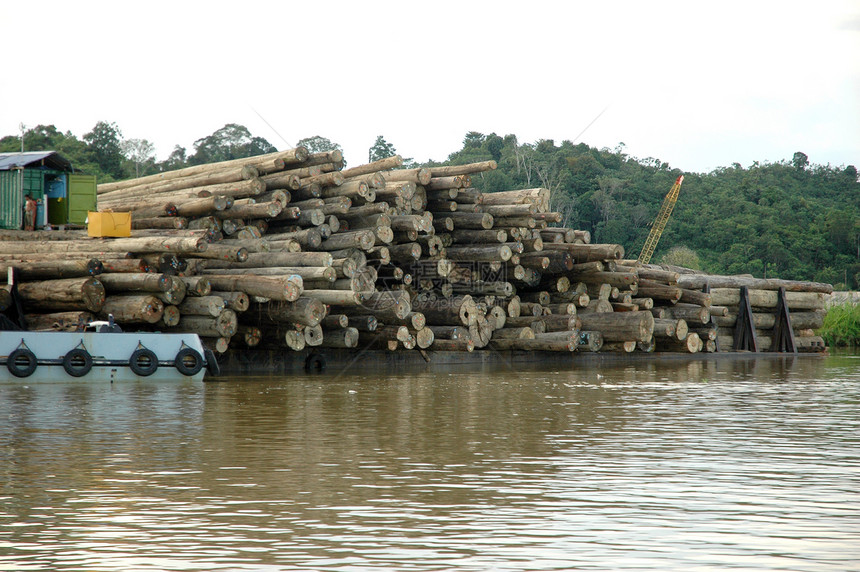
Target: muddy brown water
[749, 464]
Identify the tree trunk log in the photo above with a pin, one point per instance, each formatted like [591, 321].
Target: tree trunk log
[698, 281]
[70, 294]
[224, 325]
[470, 169]
[74, 321]
[141, 281]
[620, 327]
[236, 301]
[149, 244]
[202, 306]
[768, 298]
[50, 270]
[285, 288]
[133, 309]
[341, 338]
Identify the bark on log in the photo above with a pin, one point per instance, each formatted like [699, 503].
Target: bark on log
[335, 321]
[292, 156]
[620, 327]
[469, 169]
[74, 321]
[133, 309]
[202, 306]
[369, 168]
[69, 294]
[691, 344]
[657, 291]
[768, 298]
[419, 176]
[306, 311]
[285, 289]
[147, 244]
[336, 297]
[340, 338]
[141, 281]
[49, 270]
[813, 319]
[589, 252]
[689, 312]
[464, 220]
[224, 325]
[698, 281]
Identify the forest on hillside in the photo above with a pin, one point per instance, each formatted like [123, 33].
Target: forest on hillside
[793, 218]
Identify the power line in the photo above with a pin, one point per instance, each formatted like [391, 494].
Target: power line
[287, 143]
[575, 139]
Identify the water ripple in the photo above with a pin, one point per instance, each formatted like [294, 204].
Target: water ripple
[698, 465]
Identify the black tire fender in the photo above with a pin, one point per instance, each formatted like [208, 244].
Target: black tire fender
[143, 362]
[72, 362]
[18, 369]
[182, 359]
[315, 362]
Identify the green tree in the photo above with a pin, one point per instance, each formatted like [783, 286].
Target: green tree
[381, 149]
[682, 256]
[176, 160]
[800, 161]
[104, 146]
[233, 141]
[318, 144]
[140, 153]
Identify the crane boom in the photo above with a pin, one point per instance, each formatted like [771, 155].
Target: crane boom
[660, 222]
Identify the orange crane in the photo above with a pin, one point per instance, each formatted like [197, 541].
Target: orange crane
[659, 223]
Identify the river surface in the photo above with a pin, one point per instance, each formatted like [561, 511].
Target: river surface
[682, 465]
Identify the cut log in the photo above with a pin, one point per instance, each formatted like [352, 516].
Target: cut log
[50, 270]
[202, 306]
[340, 338]
[141, 281]
[224, 325]
[620, 327]
[74, 321]
[335, 321]
[170, 316]
[132, 309]
[69, 294]
[146, 244]
[768, 298]
[285, 288]
[590, 341]
[306, 311]
[698, 281]
[236, 301]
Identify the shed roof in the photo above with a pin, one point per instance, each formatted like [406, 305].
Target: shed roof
[49, 159]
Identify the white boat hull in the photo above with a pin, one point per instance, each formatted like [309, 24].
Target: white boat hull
[30, 357]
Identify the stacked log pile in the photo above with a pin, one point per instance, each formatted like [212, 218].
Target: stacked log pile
[291, 250]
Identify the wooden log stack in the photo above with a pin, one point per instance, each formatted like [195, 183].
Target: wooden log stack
[290, 250]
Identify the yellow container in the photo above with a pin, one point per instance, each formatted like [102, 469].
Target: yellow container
[108, 224]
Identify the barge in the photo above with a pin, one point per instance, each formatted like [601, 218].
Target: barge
[93, 356]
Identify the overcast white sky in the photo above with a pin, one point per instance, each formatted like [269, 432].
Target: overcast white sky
[698, 84]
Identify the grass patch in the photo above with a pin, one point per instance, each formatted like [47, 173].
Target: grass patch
[842, 325]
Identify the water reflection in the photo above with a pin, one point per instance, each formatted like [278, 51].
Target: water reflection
[704, 464]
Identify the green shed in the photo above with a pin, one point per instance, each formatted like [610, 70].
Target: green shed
[62, 195]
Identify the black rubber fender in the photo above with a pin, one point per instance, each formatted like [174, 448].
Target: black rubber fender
[77, 362]
[315, 362]
[143, 362]
[18, 369]
[188, 361]
[212, 366]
